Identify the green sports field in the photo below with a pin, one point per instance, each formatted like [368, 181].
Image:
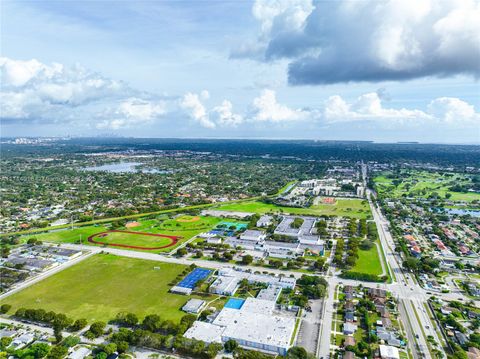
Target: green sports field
[131, 239]
[182, 226]
[354, 208]
[103, 285]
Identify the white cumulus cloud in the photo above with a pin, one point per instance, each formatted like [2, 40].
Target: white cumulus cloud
[194, 107]
[225, 116]
[267, 109]
[133, 111]
[454, 111]
[368, 107]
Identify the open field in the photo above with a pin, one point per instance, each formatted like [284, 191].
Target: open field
[355, 208]
[134, 240]
[103, 285]
[368, 262]
[423, 184]
[182, 227]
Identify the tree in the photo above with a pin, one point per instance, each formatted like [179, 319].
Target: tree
[122, 347]
[366, 245]
[182, 252]
[299, 353]
[71, 341]
[110, 348]
[101, 355]
[230, 345]
[319, 263]
[5, 342]
[5, 308]
[151, 322]
[131, 319]
[57, 352]
[411, 263]
[247, 259]
[79, 324]
[57, 332]
[97, 328]
[39, 350]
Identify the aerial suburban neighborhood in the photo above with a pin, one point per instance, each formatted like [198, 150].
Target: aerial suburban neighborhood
[355, 259]
[239, 179]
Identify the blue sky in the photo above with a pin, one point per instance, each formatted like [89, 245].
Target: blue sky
[347, 70]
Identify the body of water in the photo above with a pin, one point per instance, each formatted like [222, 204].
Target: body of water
[124, 167]
[460, 211]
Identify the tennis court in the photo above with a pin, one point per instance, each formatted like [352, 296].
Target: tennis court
[238, 226]
[193, 277]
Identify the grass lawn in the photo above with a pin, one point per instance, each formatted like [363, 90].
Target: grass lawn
[68, 235]
[368, 262]
[141, 240]
[181, 226]
[355, 208]
[103, 285]
[423, 184]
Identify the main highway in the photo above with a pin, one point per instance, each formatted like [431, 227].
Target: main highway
[414, 314]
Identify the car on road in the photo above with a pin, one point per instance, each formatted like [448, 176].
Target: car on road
[416, 336]
[427, 326]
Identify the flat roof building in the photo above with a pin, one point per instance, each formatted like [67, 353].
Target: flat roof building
[205, 332]
[389, 352]
[253, 326]
[253, 235]
[272, 292]
[193, 306]
[265, 221]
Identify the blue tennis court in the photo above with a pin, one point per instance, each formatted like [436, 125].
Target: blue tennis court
[234, 303]
[193, 277]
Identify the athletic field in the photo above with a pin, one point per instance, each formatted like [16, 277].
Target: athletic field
[103, 285]
[150, 235]
[355, 208]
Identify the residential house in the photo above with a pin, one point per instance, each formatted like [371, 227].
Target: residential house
[349, 328]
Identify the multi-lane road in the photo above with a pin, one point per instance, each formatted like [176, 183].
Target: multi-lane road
[412, 297]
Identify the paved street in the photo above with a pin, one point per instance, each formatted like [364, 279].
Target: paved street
[313, 336]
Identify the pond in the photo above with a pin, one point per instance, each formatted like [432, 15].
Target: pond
[460, 211]
[124, 167]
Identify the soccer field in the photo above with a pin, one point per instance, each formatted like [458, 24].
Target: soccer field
[103, 285]
[184, 227]
[134, 240]
[355, 208]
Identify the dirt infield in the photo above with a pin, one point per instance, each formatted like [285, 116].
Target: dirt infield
[329, 200]
[174, 240]
[132, 224]
[184, 220]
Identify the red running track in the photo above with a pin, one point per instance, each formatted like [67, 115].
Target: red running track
[174, 240]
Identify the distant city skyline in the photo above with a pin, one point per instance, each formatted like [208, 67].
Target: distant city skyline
[385, 71]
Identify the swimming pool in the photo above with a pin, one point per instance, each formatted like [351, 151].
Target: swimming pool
[234, 303]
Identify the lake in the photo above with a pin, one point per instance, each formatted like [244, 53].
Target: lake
[124, 167]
